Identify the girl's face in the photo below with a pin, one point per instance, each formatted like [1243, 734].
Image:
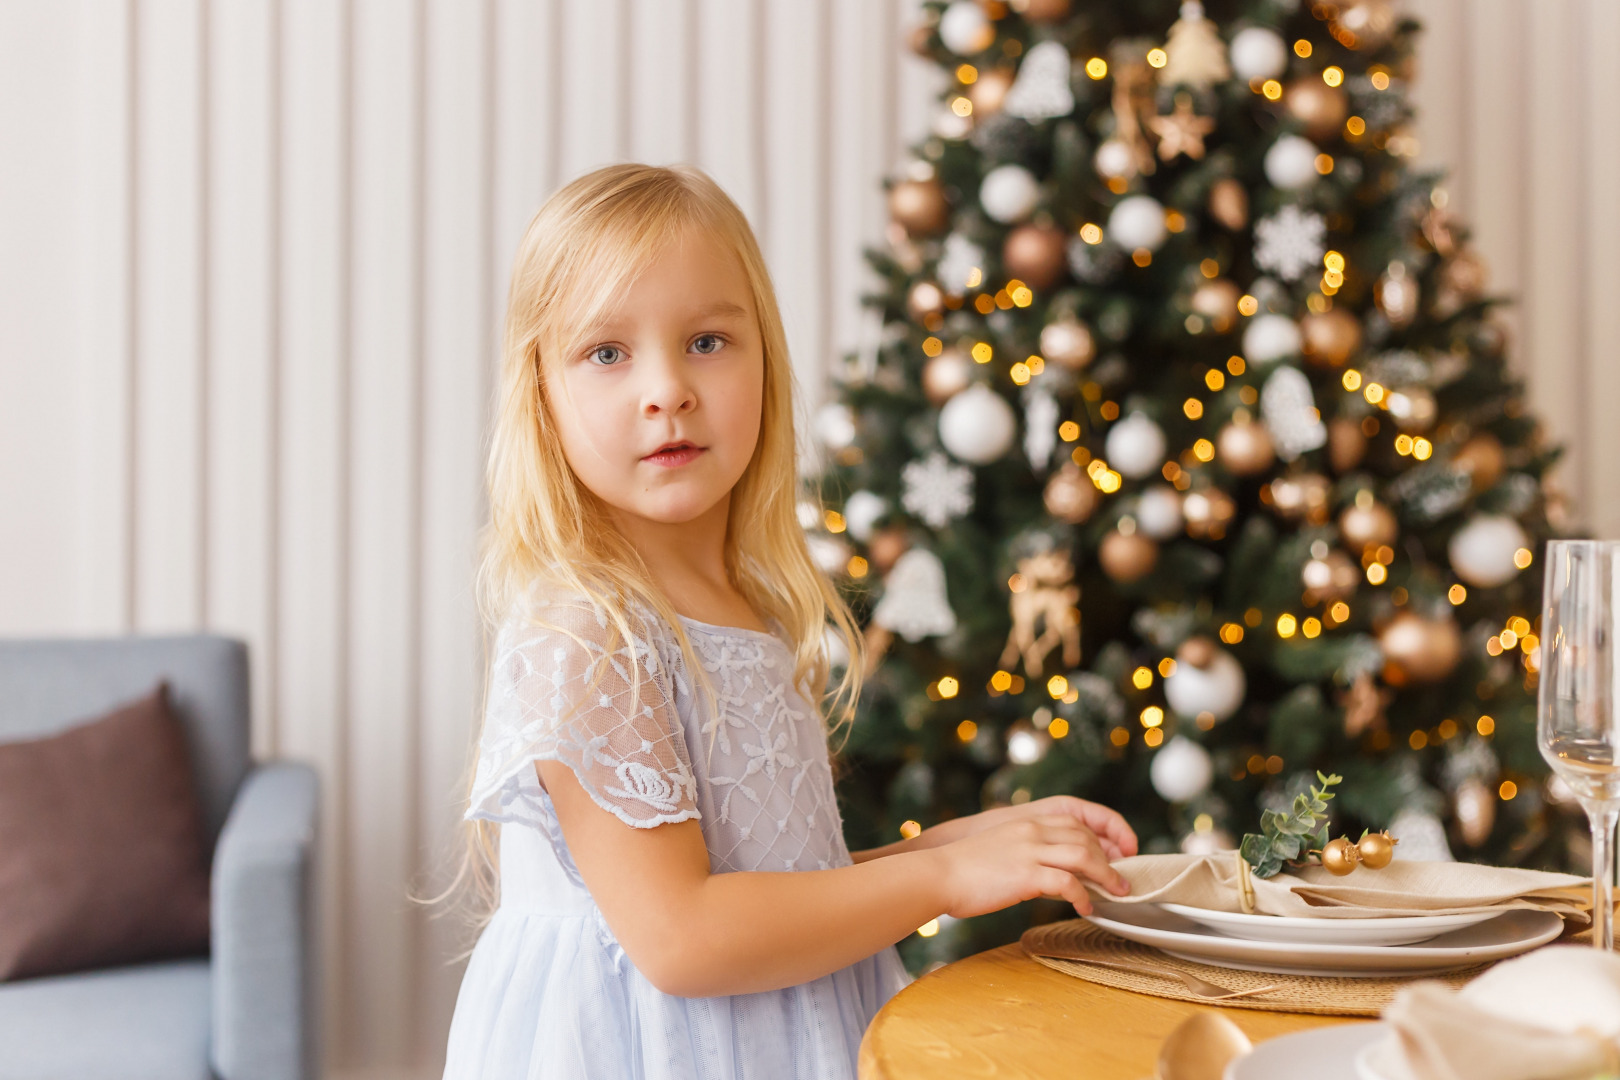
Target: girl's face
[659, 411]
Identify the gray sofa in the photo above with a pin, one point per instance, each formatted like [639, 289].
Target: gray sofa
[245, 1012]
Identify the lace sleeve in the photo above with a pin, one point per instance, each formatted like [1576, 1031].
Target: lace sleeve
[565, 695]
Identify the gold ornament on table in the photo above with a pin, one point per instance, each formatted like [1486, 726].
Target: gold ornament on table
[1364, 703]
[1328, 578]
[946, 375]
[1046, 594]
[1373, 850]
[920, 207]
[1418, 649]
[1397, 295]
[1244, 447]
[1300, 496]
[1320, 107]
[1068, 343]
[1367, 523]
[1347, 444]
[1208, 512]
[1229, 204]
[1070, 496]
[1481, 457]
[1182, 131]
[1330, 337]
[1217, 301]
[924, 299]
[1127, 557]
[1195, 53]
[989, 91]
[1034, 254]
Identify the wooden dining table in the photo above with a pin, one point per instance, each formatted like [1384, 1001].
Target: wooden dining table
[1000, 1014]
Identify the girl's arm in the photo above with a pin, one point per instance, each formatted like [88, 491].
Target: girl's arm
[1112, 832]
[697, 934]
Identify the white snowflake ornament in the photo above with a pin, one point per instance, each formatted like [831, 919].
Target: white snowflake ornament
[1289, 242]
[935, 490]
[1041, 91]
[1289, 412]
[1040, 426]
[914, 603]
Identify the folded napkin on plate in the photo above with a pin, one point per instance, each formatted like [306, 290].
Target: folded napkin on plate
[1401, 888]
[1551, 1015]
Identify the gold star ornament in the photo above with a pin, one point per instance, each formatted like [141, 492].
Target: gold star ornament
[1183, 131]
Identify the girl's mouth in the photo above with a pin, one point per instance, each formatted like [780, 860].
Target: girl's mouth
[674, 454]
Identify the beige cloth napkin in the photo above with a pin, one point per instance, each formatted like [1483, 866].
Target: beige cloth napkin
[1553, 1014]
[1401, 888]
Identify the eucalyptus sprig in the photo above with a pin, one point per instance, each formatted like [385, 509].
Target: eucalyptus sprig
[1285, 839]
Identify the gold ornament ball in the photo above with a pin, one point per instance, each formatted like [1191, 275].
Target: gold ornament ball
[1332, 577]
[1042, 10]
[1368, 526]
[1208, 513]
[1347, 444]
[989, 90]
[1127, 557]
[1397, 295]
[1244, 448]
[1302, 496]
[1377, 850]
[1481, 458]
[1331, 337]
[1320, 107]
[1069, 496]
[1217, 301]
[1364, 24]
[1419, 649]
[921, 39]
[1413, 408]
[924, 299]
[946, 375]
[1339, 857]
[1463, 278]
[1229, 204]
[919, 206]
[886, 547]
[1474, 805]
[1068, 343]
[1197, 651]
[1034, 255]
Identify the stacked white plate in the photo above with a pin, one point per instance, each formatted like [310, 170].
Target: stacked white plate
[1365, 948]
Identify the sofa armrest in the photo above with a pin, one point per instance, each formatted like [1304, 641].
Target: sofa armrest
[263, 929]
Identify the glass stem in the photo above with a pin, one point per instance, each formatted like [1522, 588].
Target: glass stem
[1603, 816]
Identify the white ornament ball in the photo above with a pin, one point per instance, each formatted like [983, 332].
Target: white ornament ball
[1482, 551]
[1135, 446]
[1009, 192]
[829, 552]
[1269, 338]
[1258, 53]
[1158, 512]
[1291, 162]
[1137, 222]
[965, 28]
[1422, 837]
[1212, 842]
[1216, 688]
[1113, 160]
[977, 425]
[835, 425]
[1182, 770]
[861, 512]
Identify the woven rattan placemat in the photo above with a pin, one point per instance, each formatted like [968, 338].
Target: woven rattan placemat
[1294, 993]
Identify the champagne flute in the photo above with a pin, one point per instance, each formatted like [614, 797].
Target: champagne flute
[1577, 727]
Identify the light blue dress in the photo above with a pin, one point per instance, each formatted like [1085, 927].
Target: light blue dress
[548, 992]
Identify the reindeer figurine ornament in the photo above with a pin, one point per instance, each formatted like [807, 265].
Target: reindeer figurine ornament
[1044, 590]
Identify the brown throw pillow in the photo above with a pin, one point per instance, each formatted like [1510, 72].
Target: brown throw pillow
[101, 848]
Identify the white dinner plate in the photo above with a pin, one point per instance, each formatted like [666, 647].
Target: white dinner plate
[1506, 935]
[1396, 930]
[1324, 1053]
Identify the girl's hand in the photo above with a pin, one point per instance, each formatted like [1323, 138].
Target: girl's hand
[1023, 857]
[1115, 836]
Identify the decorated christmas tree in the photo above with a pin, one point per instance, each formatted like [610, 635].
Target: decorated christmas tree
[1190, 462]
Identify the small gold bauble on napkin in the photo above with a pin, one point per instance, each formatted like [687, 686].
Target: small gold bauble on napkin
[1402, 888]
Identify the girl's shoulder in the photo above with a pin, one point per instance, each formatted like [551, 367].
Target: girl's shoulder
[544, 610]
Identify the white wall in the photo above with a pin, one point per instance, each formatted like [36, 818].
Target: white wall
[252, 258]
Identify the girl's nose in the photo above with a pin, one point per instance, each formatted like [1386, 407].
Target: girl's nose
[668, 388]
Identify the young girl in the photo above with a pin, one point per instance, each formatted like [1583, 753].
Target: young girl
[675, 896]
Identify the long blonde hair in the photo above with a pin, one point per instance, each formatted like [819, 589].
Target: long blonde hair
[547, 530]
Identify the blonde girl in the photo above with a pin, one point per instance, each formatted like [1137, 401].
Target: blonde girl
[675, 895]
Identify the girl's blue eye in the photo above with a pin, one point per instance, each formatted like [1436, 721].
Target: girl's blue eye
[596, 355]
[716, 338]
